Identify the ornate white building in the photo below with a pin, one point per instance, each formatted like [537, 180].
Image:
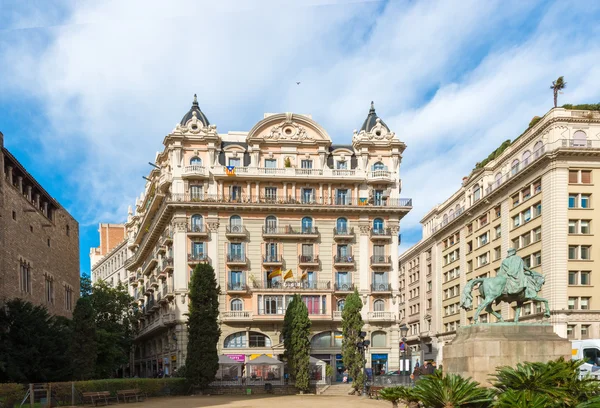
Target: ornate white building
[280, 196]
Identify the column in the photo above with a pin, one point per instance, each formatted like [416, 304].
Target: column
[257, 190]
[363, 264]
[248, 191]
[213, 245]
[294, 191]
[355, 198]
[9, 174]
[37, 200]
[29, 190]
[180, 253]
[395, 278]
[20, 184]
[285, 194]
[321, 193]
[329, 200]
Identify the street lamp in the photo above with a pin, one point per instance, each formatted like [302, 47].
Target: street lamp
[362, 346]
[403, 333]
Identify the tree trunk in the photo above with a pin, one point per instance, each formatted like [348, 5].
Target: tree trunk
[555, 98]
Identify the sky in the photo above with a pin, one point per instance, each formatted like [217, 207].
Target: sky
[89, 89]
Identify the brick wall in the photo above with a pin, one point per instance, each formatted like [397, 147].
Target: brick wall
[43, 243]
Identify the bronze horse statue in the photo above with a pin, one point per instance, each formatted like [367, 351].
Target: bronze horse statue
[493, 290]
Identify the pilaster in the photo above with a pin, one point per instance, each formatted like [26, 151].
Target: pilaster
[213, 246]
[180, 265]
[363, 267]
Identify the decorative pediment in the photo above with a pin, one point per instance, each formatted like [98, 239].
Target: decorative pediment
[195, 127]
[288, 127]
[379, 132]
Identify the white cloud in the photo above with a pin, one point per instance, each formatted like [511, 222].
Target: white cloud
[452, 79]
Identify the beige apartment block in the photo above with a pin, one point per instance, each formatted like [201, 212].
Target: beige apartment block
[539, 197]
[280, 196]
[109, 258]
[39, 242]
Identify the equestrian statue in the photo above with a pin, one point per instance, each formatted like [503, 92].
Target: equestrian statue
[514, 282]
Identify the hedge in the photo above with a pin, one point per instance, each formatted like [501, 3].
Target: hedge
[11, 394]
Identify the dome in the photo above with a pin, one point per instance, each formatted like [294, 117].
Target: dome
[199, 114]
[371, 120]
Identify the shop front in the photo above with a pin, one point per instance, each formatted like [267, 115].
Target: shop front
[379, 363]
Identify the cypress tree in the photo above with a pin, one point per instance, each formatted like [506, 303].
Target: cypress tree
[202, 361]
[287, 334]
[352, 325]
[83, 344]
[301, 345]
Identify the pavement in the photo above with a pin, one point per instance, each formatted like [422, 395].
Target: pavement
[262, 401]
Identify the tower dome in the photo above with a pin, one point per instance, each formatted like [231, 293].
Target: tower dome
[199, 114]
[371, 120]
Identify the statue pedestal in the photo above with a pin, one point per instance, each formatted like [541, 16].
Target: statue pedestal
[478, 349]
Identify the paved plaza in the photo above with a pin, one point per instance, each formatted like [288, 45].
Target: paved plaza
[263, 401]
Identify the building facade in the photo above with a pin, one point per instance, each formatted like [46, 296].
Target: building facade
[538, 197]
[39, 242]
[108, 260]
[280, 197]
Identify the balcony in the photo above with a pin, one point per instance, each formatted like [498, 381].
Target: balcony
[165, 181]
[161, 250]
[237, 315]
[343, 261]
[148, 291]
[379, 176]
[381, 287]
[197, 258]
[381, 261]
[167, 265]
[239, 287]
[344, 287]
[168, 291]
[381, 234]
[272, 260]
[308, 260]
[290, 232]
[166, 238]
[194, 171]
[197, 230]
[237, 260]
[236, 231]
[153, 281]
[294, 285]
[133, 279]
[343, 233]
[337, 315]
[149, 263]
[140, 277]
[380, 316]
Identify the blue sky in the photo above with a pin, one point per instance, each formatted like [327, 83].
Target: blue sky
[88, 89]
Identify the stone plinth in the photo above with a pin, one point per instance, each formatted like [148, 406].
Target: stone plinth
[477, 350]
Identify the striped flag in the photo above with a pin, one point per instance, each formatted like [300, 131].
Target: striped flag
[288, 274]
[276, 272]
[363, 201]
[230, 170]
[304, 275]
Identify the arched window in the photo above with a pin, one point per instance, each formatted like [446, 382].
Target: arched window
[237, 305]
[498, 179]
[342, 225]
[259, 340]
[195, 161]
[538, 149]
[379, 305]
[526, 158]
[378, 166]
[321, 340]
[235, 340]
[271, 224]
[579, 139]
[378, 339]
[197, 224]
[514, 169]
[476, 193]
[445, 219]
[337, 338]
[307, 225]
[451, 214]
[378, 224]
[457, 209]
[340, 304]
[235, 223]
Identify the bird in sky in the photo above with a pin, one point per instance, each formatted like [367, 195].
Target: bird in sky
[297, 83]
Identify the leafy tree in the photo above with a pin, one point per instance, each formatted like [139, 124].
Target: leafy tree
[451, 391]
[558, 380]
[34, 345]
[85, 286]
[352, 325]
[556, 87]
[202, 360]
[83, 345]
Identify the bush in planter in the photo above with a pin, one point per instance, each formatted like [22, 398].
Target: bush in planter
[11, 394]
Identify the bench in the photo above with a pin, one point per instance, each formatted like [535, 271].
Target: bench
[95, 397]
[129, 395]
[374, 391]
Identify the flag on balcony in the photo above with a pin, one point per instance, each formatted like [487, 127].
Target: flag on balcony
[276, 272]
[230, 170]
[363, 201]
[288, 274]
[304, 275]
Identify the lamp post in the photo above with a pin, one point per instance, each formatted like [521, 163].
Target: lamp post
[403, 333]
[362, 346]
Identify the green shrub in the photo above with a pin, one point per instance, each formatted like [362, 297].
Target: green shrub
[584, 106]
[451, 390]
[11, 394]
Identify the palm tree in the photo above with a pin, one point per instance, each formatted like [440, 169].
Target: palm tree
[451, 391]
[400, 394]
[558, 86]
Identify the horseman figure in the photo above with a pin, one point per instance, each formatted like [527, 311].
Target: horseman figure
[514, 283]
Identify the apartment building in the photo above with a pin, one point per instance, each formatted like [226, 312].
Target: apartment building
[39, 242]
[108, 259]
[280, 197]
[536, 196]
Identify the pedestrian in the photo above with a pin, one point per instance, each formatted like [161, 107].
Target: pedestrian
[417, 365]
[434, 365]
[345, 376]
[427, 368]
[415, 374]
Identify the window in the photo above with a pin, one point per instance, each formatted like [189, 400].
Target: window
[68, 230]
[584, 303]
[235, 193]
[572, 252]
[342, 225]
[526, 192]
[537, 258]
[195, 161]
[572, 201]
[579, 139]
[236, 305]
[516, 200]
[584, 227]
[516, 220]
[515, 167]
[379, 339]
[314, 304]
[25, 277]
[271, 252]
[234, 161]
[68, 298]
[49, 289]
[379, 305]
[271, 193]
[340, 304]
[342, 196]
[342, 165]
[483, 239]
[498, 179]
[197, 224]
[586, 177]
[48, 241]
[482, 259]
[271, 163]
[570, 331]
[197, 249]
[497, 253]
[572, 303]
[538, 149]
[585, 277]
[14, 215]
[378, 225]
[537, 187]
[476, 193]
[537, 210]
[235, 340]
[308, 195]
[306, 164]
[483, 220]
[307, 225]
[573, 176]
[271, 224]
[378, 197]
[236, 251]
[497, 212]
[195, 192]
[585, 252]
[572, 278]
[585, 201]
[585, 334]
[235, 223]
[537, 234]
[527, 215]
[498, 231]
[572, 227]
[271, 305]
